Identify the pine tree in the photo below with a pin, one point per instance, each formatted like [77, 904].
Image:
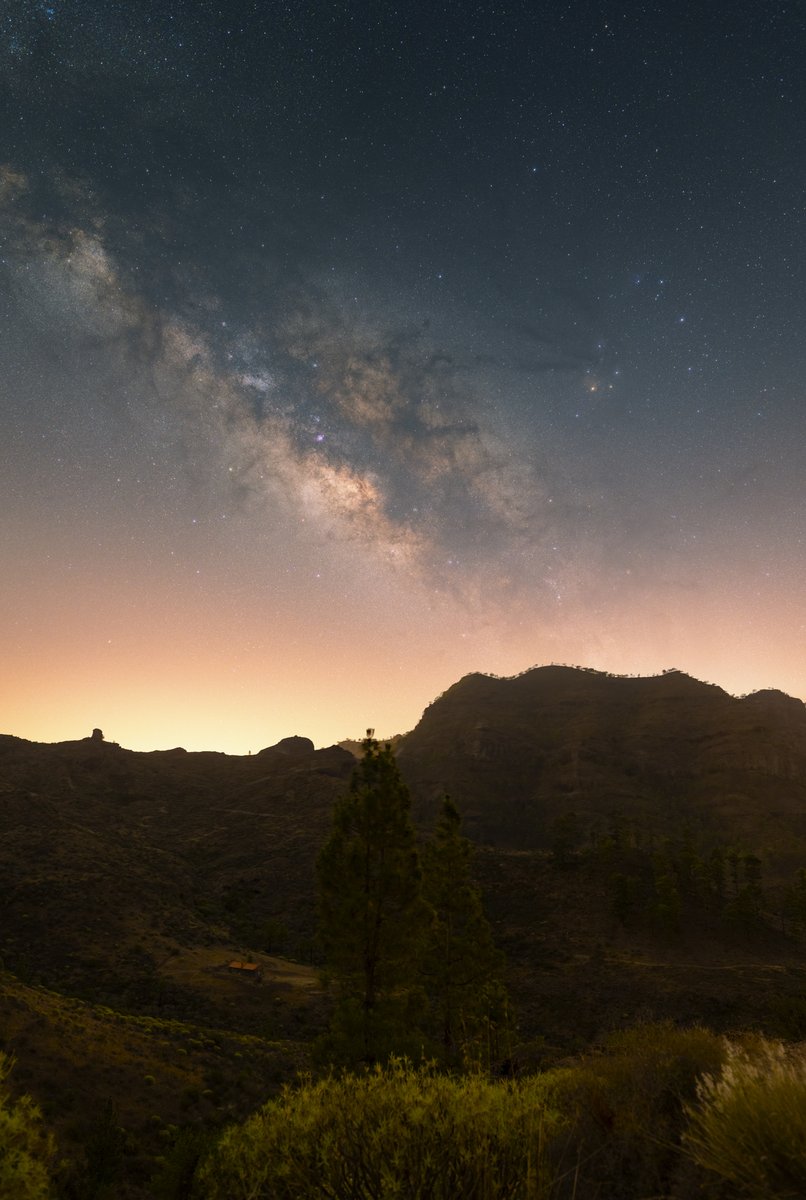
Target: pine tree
[463, 968]
[373, 920]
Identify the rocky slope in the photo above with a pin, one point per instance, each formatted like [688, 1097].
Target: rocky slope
[658, 752]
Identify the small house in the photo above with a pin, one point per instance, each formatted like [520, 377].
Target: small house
[247, 970]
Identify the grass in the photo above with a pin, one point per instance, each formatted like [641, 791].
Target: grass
[748, 1124]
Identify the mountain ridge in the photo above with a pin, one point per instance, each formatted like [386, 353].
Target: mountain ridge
[129, 879]
[553, 739]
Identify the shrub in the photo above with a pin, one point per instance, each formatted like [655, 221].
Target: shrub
[394, 1132]
[749, 1125]
[98, 1172]
[174, 1177]
[626, 1110]
[26, 1151]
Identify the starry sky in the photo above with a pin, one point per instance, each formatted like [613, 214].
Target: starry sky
[346, 348]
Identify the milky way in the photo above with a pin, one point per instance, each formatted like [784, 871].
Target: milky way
[346, 352]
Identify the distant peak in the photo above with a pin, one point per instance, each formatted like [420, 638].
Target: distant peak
[773, 697]
[293, 746]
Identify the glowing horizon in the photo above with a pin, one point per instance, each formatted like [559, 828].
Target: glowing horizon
[324, 386]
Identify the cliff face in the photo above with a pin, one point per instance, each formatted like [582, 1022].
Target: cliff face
[517, 753]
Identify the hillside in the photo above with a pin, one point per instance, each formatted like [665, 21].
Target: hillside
[657, 752]
[638, 848]
[110, 859]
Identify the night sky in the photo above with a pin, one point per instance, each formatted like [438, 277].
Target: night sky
[350, 347]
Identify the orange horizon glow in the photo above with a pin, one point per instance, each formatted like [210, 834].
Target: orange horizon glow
[215, 675]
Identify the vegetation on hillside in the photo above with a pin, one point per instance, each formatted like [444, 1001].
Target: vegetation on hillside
[462, 967]
[407, 945]
[389, 1132]
[26, 1149]
[667, 883]
[641, 858]
[373, 920]
[749, 1122]
[660, 1112]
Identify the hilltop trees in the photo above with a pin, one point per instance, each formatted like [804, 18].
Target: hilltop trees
[406, 942]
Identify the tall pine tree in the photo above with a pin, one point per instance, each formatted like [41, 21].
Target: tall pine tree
[373, 920]
[464, 970]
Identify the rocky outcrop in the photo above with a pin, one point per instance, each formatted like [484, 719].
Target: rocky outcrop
[295, 746]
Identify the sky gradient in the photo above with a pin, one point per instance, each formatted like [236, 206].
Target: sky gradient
[348, 348]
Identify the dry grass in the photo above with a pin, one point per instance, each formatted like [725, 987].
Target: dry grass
[749, 1122]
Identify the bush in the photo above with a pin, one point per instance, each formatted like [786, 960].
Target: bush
[26, 1151]
[393, 1132]
[175, 1175]
[98, 1172]
[626, 1110]
[749, 1125]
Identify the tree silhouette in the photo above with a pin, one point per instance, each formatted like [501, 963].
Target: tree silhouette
[463, 967]
[373, 919]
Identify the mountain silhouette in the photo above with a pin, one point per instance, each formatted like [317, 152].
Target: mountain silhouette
[518, 753]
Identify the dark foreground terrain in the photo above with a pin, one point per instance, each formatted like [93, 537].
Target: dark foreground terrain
[640, 844]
